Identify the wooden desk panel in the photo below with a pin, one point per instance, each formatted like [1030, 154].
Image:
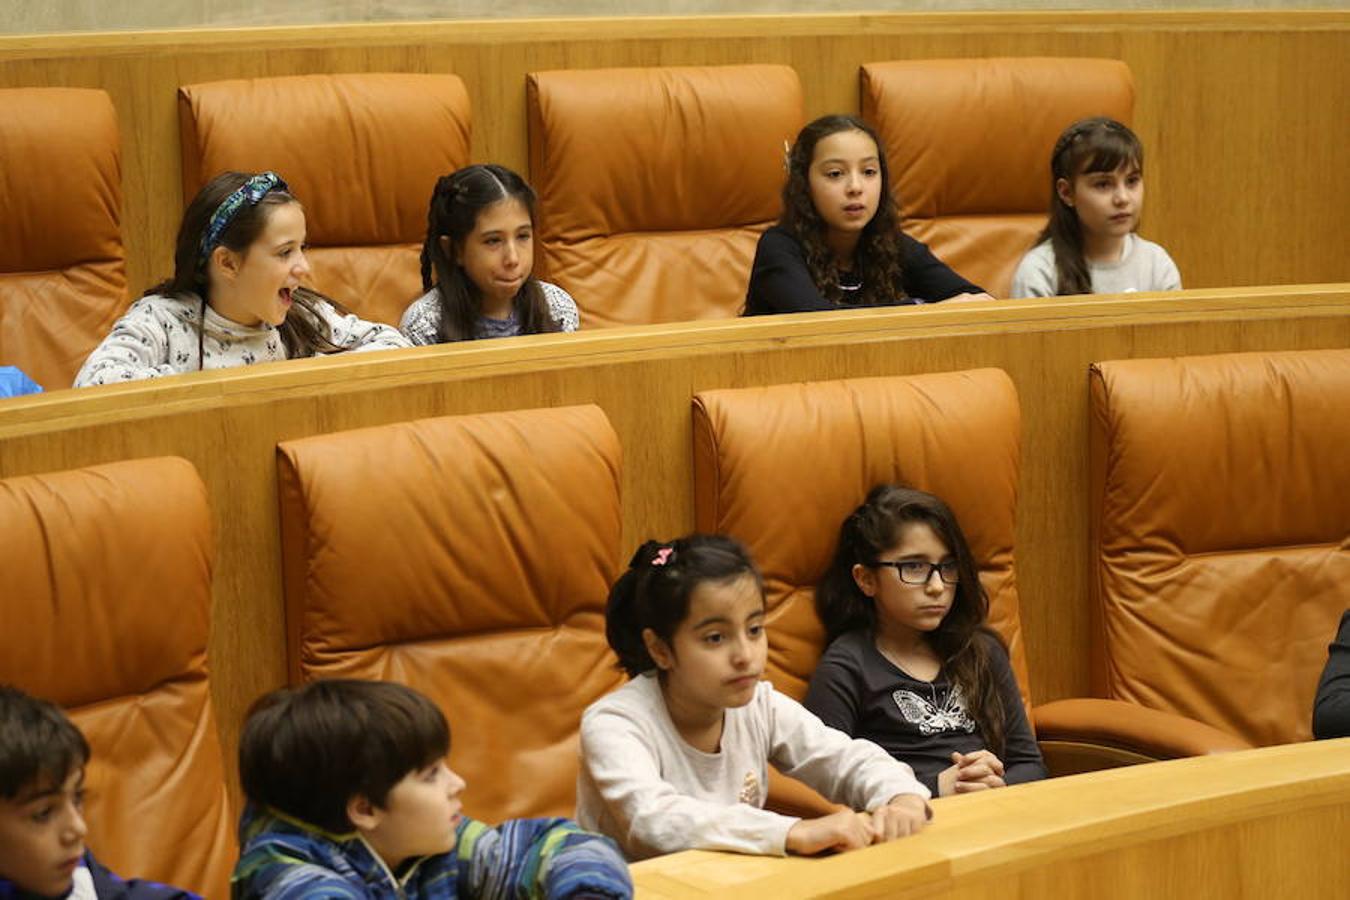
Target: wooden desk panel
[1247, 171]
[1263, 823]
[229, 422]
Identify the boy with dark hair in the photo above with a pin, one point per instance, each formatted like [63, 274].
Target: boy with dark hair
[42, 827]
[349, 796]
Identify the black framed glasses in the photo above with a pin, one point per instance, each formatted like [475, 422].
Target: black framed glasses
[916, 571]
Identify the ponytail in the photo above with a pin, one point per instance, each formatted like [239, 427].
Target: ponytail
[655, 591]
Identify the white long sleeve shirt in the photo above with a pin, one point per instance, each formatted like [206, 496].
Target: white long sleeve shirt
[643, 785]
[157, 336]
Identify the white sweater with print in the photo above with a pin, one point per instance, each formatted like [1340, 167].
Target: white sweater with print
[643, 785]
[157, 336]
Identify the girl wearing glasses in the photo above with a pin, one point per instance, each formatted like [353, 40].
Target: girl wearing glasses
[910, 663]
[237, 295]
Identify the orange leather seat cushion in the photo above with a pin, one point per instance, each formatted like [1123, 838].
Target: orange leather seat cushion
[780, 467]
[655, 184]
[106, 607]
[362, 152]
[470, 558]
[62, 277]
[1221, 491]
[969, 141]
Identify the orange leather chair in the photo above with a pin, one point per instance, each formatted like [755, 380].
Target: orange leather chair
[655, 184]
[780, 467]
[106, 605]
[1221, 521]
[62, 278]
[362, 153]
[470, 558]
[969, 141]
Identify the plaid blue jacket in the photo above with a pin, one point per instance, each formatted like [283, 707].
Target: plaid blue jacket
[550, 859]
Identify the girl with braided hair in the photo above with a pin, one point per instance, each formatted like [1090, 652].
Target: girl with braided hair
[478, 264]
[678, 758]
[838, 242]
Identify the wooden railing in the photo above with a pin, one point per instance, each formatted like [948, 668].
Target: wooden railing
[1261, 823]
[1247, 166]
[228, 424]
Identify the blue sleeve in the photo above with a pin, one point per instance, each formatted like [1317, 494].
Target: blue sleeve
[548, 858]
[107, 886]
[14, 383]
[1331, 709]
[928, 278]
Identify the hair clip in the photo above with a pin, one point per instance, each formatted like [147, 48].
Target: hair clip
[787, 157]
[662, 556]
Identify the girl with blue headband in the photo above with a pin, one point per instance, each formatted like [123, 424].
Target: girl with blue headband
[236, 296]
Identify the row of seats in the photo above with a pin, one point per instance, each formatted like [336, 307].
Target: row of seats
[654, 183]
[470, 557]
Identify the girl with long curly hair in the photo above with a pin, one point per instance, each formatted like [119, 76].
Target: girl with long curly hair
[838, 242]
[911, 664]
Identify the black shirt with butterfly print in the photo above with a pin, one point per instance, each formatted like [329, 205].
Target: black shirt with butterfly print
[862, 693]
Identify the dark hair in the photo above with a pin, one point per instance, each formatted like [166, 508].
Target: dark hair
[304, 332]
[307, 751]
[1090, 145]
[961, 640]
[654, 593]
[456, 203]
[878, 255]
[38, 744]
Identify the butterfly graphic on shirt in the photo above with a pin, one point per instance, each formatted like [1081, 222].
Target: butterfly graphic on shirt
[930, 718]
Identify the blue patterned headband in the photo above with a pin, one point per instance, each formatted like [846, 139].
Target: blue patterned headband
[251, 192]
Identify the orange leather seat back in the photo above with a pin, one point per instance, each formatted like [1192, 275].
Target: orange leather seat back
[470, 558]
[362, 152]
[969, 141]
[780, 467]
[62, 278]
[1221, 514]
[655, 184]
[106, 605]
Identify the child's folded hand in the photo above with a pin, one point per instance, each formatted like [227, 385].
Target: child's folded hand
[977, 771]
[845, 830]
[904, 815]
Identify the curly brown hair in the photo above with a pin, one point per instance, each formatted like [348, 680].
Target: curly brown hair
[877, 257]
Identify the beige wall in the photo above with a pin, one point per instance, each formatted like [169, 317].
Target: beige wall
[35, 17]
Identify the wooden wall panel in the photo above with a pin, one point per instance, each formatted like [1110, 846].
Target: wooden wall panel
[1248, 170]
[1263, 823]
[228, 424]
